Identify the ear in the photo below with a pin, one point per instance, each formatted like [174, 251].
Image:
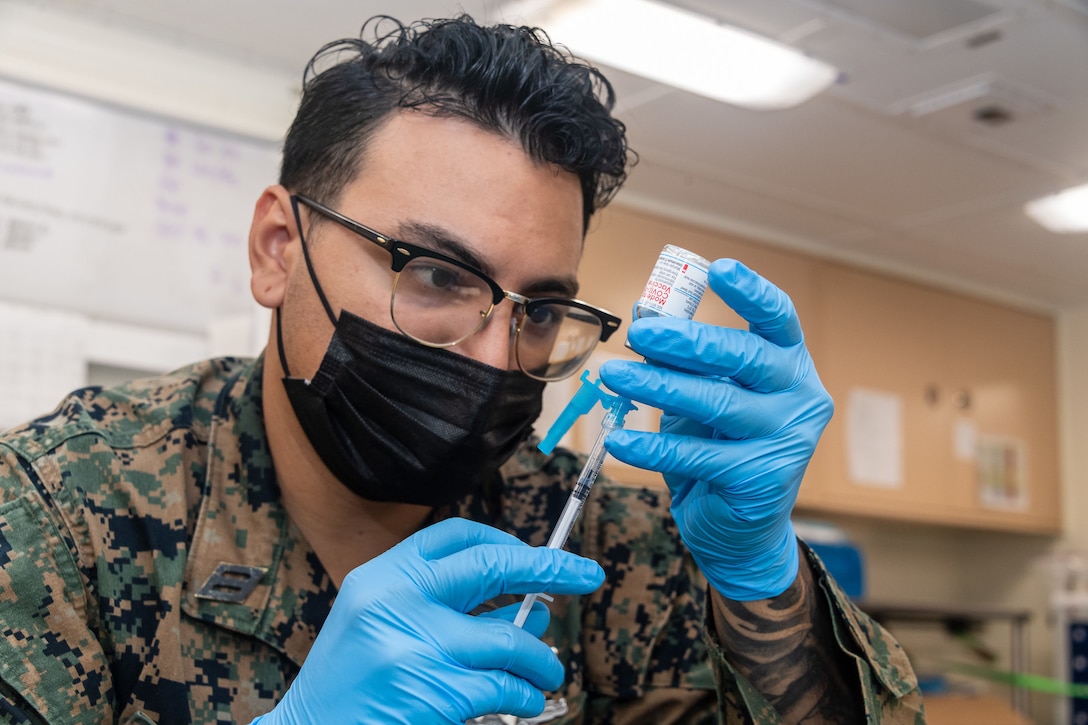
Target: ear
[270, 235]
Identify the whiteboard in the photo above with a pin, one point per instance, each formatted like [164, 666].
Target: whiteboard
[124, 216]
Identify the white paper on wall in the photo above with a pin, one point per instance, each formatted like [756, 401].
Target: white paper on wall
[965, 437]
[874, 438]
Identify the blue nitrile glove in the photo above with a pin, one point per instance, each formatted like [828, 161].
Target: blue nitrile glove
[397, 646]
[742, 413]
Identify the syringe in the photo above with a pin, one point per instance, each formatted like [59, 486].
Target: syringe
[616, 409]
[677, 283]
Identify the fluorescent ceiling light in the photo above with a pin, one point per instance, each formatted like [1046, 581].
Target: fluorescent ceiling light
[1064, 213]
[679, 48]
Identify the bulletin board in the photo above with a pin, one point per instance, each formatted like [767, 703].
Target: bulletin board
[124, 216]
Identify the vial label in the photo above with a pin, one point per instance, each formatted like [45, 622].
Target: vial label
[676, 285]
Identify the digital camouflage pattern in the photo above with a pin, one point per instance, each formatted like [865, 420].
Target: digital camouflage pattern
[119, 508]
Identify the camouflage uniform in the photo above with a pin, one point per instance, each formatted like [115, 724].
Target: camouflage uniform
[149, 573]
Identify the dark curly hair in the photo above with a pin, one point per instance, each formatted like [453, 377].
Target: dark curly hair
[506, 79]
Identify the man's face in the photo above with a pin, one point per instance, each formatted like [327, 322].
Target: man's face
[447, 185]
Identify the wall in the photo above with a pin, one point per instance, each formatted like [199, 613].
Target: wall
[1073, 348]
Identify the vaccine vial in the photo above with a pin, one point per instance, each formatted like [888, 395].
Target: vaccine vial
[676, 285]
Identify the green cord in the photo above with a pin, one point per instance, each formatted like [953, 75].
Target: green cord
[1037, 683]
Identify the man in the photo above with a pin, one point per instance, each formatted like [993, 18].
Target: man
[289, 539]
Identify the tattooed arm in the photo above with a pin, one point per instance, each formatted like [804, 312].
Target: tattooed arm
[786, 649]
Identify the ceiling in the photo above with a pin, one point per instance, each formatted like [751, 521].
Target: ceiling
[949, 115]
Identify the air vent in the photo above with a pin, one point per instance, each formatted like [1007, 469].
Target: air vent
[983, 102]
[993, 115]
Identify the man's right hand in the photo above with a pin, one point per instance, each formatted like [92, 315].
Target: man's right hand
[398, 645]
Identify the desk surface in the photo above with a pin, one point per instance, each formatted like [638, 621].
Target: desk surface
[971, 710]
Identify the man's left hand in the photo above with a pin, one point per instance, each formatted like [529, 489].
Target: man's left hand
[743, 411]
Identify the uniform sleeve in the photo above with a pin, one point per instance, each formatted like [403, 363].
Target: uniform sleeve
[52, 666]
[886, 678]
[644, 652]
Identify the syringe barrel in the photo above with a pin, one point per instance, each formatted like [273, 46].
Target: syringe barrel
[565, 524]
[557, 540]
[592, 467]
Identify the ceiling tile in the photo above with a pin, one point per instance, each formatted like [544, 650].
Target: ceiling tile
[1006, 250]
[720, 204]
[826, 155]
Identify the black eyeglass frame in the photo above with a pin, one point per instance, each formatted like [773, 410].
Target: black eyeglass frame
[401, 253]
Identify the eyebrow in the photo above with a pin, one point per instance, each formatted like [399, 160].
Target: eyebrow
[442, 240]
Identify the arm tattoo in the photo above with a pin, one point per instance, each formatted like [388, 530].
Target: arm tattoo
[786, 648]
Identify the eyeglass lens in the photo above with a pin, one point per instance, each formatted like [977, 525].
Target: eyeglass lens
[441, 304]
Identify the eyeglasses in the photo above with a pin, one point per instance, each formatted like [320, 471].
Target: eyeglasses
[439, 301]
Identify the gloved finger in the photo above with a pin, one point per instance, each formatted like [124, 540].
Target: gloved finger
[446, 537]
[492, 644]
[497, 691]
[641, 449]
[732, 411]
[695, 347]
[697, 458]
[769, 311]
[680, 425]
[535, 624]
[465, 579]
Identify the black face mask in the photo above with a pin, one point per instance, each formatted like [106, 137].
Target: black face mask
[395, 420]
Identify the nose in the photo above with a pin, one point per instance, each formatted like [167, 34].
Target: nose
[493, 344]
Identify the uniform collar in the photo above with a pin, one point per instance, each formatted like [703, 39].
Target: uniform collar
[250, 570]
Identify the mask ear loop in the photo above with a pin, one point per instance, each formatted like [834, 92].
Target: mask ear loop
[313, 278]
[279, 342]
